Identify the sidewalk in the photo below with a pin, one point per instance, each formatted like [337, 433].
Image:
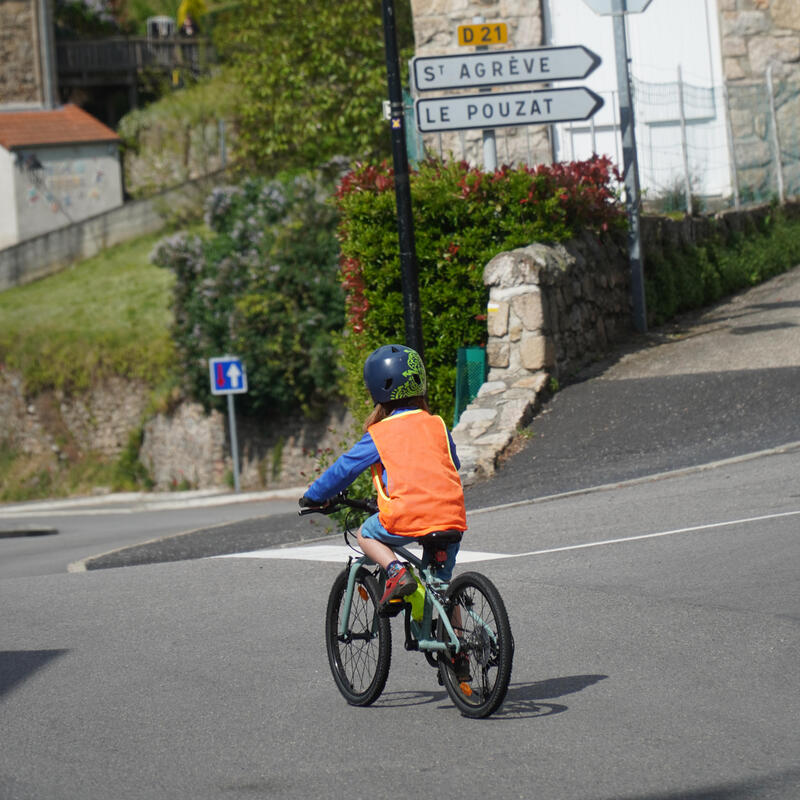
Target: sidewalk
[712, 385]
[12, 515]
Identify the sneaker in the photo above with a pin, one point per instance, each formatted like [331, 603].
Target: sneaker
[401, 584]
[461, 668]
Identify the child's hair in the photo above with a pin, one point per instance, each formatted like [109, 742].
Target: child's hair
[382, 410]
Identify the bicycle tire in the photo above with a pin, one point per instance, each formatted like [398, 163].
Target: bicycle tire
[360, 660]
[489, 645]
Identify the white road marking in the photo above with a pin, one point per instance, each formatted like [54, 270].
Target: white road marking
[625, 539]
[338, 553]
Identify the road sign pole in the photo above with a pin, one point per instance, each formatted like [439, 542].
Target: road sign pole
[234, 443]
[412, 315]
[630, 169]
[488, 135]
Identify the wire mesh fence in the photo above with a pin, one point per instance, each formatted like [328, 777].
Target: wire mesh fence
[699, 148]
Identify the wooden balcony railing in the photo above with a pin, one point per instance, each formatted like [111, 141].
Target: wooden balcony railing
[94, 62]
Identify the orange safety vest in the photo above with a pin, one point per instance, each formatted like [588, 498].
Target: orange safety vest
[423, 491]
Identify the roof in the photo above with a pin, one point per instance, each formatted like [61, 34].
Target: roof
[67, 124]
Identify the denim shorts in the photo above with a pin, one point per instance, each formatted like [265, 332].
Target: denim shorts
[372, 529]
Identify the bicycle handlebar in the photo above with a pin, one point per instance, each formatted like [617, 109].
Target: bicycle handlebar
[341, 501]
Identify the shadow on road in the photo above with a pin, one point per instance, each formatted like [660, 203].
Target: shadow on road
[524, 700]
[18, 665]
[781, 784]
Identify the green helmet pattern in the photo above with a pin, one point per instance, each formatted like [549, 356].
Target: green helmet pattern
[416, 381]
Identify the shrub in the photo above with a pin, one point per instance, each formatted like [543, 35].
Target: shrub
[262, 285]
[688, 277]
[463, 217]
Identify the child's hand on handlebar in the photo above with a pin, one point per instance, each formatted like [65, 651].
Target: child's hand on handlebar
[306, 502]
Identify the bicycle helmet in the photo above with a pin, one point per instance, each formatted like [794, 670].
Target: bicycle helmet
[394, 371]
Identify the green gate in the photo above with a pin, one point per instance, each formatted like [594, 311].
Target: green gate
[470, 375]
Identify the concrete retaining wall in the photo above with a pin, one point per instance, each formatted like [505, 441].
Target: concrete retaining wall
[51, 252]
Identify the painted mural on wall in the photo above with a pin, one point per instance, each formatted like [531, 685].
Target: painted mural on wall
[60, 185]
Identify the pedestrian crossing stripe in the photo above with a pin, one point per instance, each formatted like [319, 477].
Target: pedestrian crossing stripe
[338, 553]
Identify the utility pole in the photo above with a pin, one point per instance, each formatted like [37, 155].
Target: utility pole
[405, 223]
[630, 169]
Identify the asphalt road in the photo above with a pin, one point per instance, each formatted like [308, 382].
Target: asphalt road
[657, 618]
[658, 654]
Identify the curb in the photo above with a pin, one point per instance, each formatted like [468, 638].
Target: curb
[790, 447]
[27, 530]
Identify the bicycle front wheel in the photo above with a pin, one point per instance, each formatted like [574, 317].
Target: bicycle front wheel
[360, 657]
[477, 681]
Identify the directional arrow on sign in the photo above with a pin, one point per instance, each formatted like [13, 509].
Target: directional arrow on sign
[234, 374]
[505, 109]
[503, 67]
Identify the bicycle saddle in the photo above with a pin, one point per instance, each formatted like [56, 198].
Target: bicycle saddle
[439, 538]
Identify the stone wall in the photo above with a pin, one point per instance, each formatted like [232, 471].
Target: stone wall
[185, 447]
[19, 70]
[759, 33]
[191, 448]
[552, 309]
[52, 427]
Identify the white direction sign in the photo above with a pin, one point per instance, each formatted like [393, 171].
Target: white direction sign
[504, 109]
[608, 7]
[502, 67]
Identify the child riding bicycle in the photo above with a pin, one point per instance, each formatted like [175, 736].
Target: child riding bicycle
[414, 468]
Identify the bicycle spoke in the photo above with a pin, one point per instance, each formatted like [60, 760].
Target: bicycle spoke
[480, 622]
[360, 658]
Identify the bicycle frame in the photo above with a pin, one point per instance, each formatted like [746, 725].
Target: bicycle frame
[421, 631]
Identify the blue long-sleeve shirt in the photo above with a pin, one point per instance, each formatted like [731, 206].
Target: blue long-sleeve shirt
[362, 455]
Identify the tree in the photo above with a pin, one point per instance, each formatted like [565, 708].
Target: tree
[313, 77]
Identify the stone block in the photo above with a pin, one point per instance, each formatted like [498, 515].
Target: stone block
[536, 351]
[533, 383]
[517, 267]
[476, 415]
[497, 318]
[786, 14]
[528, 307]
[491, 388]
[766, 50]
[497, 353]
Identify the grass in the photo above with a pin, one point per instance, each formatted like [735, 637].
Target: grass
[107, 315]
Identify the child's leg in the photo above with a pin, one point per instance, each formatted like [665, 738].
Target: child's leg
[379, 552]
[376, 541]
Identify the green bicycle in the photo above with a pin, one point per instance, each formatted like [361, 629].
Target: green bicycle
[461, 627]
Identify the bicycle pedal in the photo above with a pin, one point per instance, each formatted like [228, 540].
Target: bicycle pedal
[392, 608]
[466, 689]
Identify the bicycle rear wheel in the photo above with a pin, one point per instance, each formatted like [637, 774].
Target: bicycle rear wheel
[479, 619]
[360, 658]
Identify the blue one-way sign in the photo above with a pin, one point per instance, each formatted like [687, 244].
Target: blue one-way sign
[228, 375]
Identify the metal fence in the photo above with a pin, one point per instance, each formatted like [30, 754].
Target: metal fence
[699, 147]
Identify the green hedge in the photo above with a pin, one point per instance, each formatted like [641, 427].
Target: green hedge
[462, 218]
[684, 277]
[262, 284]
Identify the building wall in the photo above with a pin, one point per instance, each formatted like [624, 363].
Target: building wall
[19, 64]
[8, 208]
[73, 183]
[757, 34]
[436, 33]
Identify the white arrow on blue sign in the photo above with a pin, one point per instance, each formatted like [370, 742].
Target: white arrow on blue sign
[504, 109]
[228, 375]
[502, 67]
